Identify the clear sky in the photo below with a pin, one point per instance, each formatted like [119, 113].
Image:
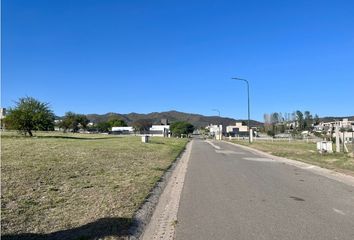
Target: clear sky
[98, 56]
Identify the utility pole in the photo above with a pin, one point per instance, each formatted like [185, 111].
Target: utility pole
[337, 138]
[353, 141]
[248, 99]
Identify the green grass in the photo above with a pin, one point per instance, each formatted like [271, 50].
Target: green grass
[305, 152]
[57, 181]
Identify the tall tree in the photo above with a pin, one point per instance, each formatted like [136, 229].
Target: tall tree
[266, 118]
[142, 125]
[275, 118]
[179, 128]
[308, 120]
[103, 126]
[73, 122]
[316, 119]
[30, 114]
[82, 121]
[117, 123]
[69, 122]
[300, 120]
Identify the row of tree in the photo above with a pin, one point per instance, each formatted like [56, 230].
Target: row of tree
[30, 115]
[74, 122]
[294, 123]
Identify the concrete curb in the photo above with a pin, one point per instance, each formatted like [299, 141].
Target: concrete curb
[163, 222]
[340, 177]
[143, 216]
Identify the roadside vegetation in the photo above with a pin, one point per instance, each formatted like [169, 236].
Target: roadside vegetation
[78, 186]
[293, 124]
[180, 129]
[305, 152]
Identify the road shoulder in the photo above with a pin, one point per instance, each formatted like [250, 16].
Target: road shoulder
[341, 177]
[164, 219]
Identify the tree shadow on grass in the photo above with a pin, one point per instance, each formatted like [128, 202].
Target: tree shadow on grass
[75, 138]
[62, 137]
[104, 227]
[156, 142]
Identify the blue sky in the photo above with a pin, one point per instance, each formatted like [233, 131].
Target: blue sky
[98, 56]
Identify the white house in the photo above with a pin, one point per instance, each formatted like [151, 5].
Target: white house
[348, 136]
[215, 131]
[2, 113]
[237, 129]
[212, 128]
[160, 130]
[2, 116]
[123, 130]
[330, 126]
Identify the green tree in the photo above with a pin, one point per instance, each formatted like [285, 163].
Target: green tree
[103, 126]
[281, 128]
[82, 121]
[271, 132]
[73, 122]
[316, 119]
[300, 120]
[30, 115]
[275, 118]
[308, 120]
[179, 128]
[117, 123]
[142, 125]
[69, 122]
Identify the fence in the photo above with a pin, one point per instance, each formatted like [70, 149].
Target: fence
[270, 139]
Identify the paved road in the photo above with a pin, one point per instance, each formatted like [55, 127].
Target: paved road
[230, 193]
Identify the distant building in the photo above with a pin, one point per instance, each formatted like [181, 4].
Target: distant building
[164, 121]
[212, 129]
[215, 131]
[122, 130]
[160, 130]
[329, 127]
[2, 113]
[57, 124]
[239, 129]
[2, 116]
[347, 136]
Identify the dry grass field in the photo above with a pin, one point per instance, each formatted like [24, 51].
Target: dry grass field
[77, 186]
[305, 152]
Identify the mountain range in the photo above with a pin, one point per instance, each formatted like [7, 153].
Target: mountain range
[332, 119]
[196, 119]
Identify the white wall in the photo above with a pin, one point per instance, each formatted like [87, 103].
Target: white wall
[159, 127]
[130, 129]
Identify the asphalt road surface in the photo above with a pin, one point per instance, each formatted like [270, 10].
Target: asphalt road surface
[231, 193]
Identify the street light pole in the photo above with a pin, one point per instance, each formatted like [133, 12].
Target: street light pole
[248, 99]
[217, 110]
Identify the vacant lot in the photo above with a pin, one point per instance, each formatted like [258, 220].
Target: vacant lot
[76, 185]
[305, 152]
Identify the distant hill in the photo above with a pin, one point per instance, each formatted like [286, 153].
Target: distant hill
[172, 116]
[332, 119]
